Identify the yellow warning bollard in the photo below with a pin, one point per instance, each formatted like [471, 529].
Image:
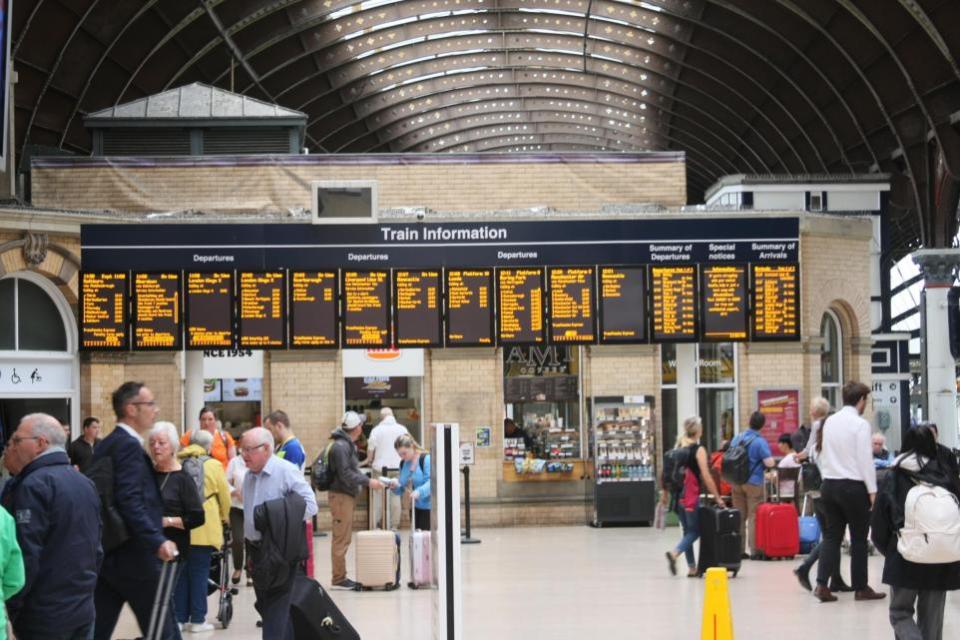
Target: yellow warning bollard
[717, 620]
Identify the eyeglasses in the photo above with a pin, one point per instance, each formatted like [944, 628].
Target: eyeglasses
[252, 449]
[19, 439]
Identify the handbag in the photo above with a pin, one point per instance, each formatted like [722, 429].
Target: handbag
[810, 476]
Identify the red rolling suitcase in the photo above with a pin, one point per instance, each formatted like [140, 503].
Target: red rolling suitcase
[777, 532]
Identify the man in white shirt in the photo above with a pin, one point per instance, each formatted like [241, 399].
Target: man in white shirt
[381, 451]
[848, 491]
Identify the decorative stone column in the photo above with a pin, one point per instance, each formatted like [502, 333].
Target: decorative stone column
[939, 267]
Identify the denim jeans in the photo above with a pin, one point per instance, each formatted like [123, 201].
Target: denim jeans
[190, 598]
[690, 522]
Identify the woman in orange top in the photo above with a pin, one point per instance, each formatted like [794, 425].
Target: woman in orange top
[224, 448]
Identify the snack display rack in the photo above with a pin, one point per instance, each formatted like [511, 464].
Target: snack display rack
[624, 438]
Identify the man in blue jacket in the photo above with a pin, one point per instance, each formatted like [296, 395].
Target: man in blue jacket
[57, 512]
[131, 572]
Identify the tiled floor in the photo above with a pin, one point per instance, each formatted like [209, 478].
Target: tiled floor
[570, 583]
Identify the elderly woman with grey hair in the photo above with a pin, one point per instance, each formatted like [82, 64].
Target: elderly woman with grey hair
[207, 474]
[182, 505]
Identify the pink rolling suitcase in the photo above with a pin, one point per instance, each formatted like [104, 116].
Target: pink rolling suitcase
[421, 571]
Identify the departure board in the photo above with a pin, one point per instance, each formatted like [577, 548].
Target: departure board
[313, 309]
[674, 303]
[103, 311]
[572, 293]
[209, 310]
[723, 303]
[366, 308]
[417, 309]
[156, 311]
[623, 304]
[520, 306]
[776, 302]
[469, 307]
[261, 313]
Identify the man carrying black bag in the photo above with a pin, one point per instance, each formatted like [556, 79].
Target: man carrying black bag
[276, 502]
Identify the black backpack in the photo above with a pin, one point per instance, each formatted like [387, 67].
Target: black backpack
[321, 473]
[675, 464]
[114, 529]
[735, 467]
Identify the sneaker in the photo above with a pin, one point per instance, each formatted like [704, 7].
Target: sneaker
[201, 627]
[346, 585]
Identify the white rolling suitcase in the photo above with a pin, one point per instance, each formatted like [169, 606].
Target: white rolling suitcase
[378, 555]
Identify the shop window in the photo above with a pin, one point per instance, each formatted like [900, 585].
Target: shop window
[831, 359]
[29, 318]
[542, 395]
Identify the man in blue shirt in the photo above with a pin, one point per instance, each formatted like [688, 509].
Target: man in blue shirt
[747, 497]
[288, 445]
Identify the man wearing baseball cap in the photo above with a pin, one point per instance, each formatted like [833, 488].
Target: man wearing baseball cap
[344, 487]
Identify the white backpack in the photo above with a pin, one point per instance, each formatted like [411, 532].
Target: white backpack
[931, 529]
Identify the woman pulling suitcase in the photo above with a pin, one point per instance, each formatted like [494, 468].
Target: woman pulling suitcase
[696, 480]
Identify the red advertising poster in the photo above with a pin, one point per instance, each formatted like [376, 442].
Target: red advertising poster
[782, 410]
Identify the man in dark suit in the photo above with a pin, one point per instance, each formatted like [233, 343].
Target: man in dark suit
[131, 572]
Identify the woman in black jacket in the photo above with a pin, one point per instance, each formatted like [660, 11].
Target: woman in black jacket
[923, 586]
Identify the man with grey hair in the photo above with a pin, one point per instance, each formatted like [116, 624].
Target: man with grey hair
[383, 457]
[57, 511]
[270, 478]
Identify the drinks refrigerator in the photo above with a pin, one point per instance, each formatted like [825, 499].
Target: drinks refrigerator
[623, 439]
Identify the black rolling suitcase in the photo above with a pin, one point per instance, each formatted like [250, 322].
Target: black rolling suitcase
[161, 602]
[315, 616]
[719, 539]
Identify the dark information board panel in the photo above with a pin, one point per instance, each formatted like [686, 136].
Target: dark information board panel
[313, 309]
[417, 309]
[157, 302]
[623, 305]
[540, 389]
[431, 245]
[262, 318]
[469, 307]
[520, 306]
[674, 303]
[209, 310]
[366, 308]
[103, 311]
[776, 302]
[572, 297]
[723, 303]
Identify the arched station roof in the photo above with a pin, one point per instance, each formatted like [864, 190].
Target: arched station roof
[742, 86]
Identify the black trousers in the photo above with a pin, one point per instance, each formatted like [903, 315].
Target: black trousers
[814, 554]
[845, 503]
[132, 579]
[273, 605]
[421, 519]
[236, 530]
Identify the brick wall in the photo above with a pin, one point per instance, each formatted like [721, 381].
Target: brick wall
[477, 183]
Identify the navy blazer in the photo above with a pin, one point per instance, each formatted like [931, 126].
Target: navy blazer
[58, 528]
[135, 494]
